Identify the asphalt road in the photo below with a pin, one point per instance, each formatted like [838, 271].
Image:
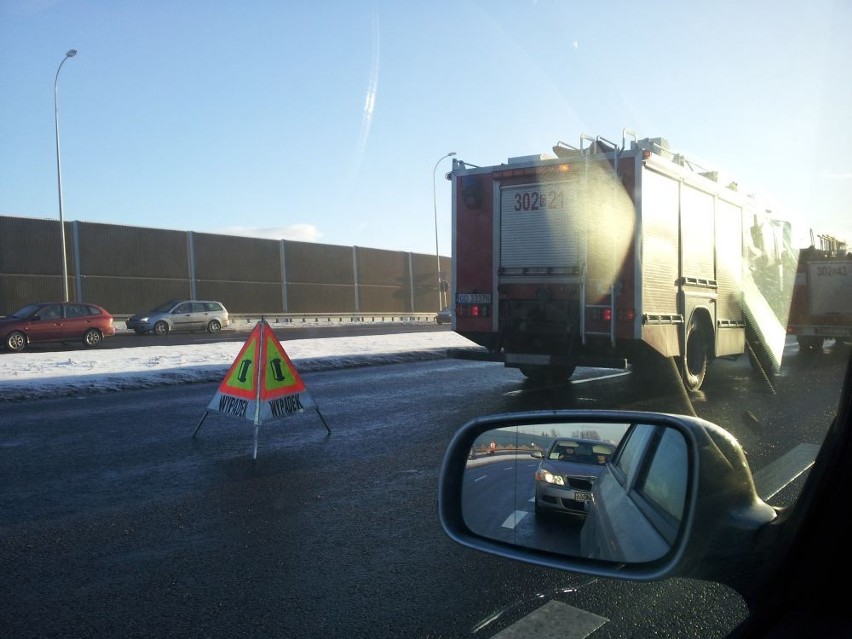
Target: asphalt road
[116, 522]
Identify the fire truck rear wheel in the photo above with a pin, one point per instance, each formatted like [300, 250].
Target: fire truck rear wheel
[695, 356]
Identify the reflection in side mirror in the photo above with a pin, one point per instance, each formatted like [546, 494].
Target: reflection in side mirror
[610, 493]
[557, 487]
[639, 503]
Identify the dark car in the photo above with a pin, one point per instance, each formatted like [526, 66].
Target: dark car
[640, 498]
[56, 322]
[181, 315]
[566, 474]
[444, 316]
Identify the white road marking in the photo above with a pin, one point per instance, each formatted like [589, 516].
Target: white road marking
[514, 519]
[554, 620]
[772, 478]
[596, 378]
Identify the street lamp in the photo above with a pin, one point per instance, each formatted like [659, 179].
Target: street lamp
[70, 54]
[437, 254]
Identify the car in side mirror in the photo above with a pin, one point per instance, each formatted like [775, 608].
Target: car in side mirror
[623, 494]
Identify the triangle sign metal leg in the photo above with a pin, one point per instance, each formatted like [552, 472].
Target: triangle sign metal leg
[323, 420]
[203, 417]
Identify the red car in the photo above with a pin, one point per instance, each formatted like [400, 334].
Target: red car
[56, 322]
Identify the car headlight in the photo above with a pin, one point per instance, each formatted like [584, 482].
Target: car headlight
[550, 478]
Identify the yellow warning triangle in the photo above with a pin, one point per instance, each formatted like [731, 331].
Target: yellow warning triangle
[241, 378]
[279, 376]
[262, 383]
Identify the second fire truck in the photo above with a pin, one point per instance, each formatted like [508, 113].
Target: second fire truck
[821, 309]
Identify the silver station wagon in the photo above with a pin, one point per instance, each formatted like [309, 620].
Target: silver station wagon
[181, 315]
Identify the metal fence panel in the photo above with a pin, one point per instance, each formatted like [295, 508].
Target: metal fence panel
[129, 251]
[31, 247]
[129, 295]
[320, 298]
[236, 259]
[243, 297]
[308, 263]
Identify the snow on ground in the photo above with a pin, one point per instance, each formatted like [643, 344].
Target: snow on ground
[39, 373]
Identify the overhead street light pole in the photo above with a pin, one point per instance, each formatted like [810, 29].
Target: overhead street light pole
[437, 254]
[71, 53]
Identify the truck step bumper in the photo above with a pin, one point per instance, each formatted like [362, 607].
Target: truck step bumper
[516, 360]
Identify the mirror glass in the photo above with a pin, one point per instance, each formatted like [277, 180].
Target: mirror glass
[611, 491]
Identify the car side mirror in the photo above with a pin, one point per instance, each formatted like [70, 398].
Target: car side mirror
[610, 493]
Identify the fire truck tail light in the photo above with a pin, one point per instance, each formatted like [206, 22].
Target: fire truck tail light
[605, 314]
[472, 310]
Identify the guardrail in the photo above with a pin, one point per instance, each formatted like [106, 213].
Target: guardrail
[314, 319]
[239, 320]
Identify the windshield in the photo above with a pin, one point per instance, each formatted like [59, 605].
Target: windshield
[559, 205]
[26, 311]
[165, 307]
[578, 451]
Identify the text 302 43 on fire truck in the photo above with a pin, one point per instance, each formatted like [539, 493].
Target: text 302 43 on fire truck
[821, 308]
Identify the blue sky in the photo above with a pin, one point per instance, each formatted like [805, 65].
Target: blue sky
[323, 121]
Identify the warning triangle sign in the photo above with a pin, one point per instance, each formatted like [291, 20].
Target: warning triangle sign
[262, 383]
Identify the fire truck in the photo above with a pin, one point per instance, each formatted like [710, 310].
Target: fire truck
[615, 256]
[822, 295]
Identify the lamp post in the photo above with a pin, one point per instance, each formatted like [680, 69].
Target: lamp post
[71, 53]
[437, 254]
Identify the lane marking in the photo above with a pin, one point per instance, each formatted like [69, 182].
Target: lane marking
[585, 380]
[514, 519]
[554, 620]
[774, 477]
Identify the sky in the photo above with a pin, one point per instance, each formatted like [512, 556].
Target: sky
[330, 121]
[40, 373]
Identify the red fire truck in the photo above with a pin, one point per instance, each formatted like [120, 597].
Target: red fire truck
[605, 255]
[822, 295]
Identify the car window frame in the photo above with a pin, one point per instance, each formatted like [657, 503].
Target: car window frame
[45, 307]
[645, 440]
[657, 515]
[626, 476]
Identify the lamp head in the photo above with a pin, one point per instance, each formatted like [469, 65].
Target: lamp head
[71, 53]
